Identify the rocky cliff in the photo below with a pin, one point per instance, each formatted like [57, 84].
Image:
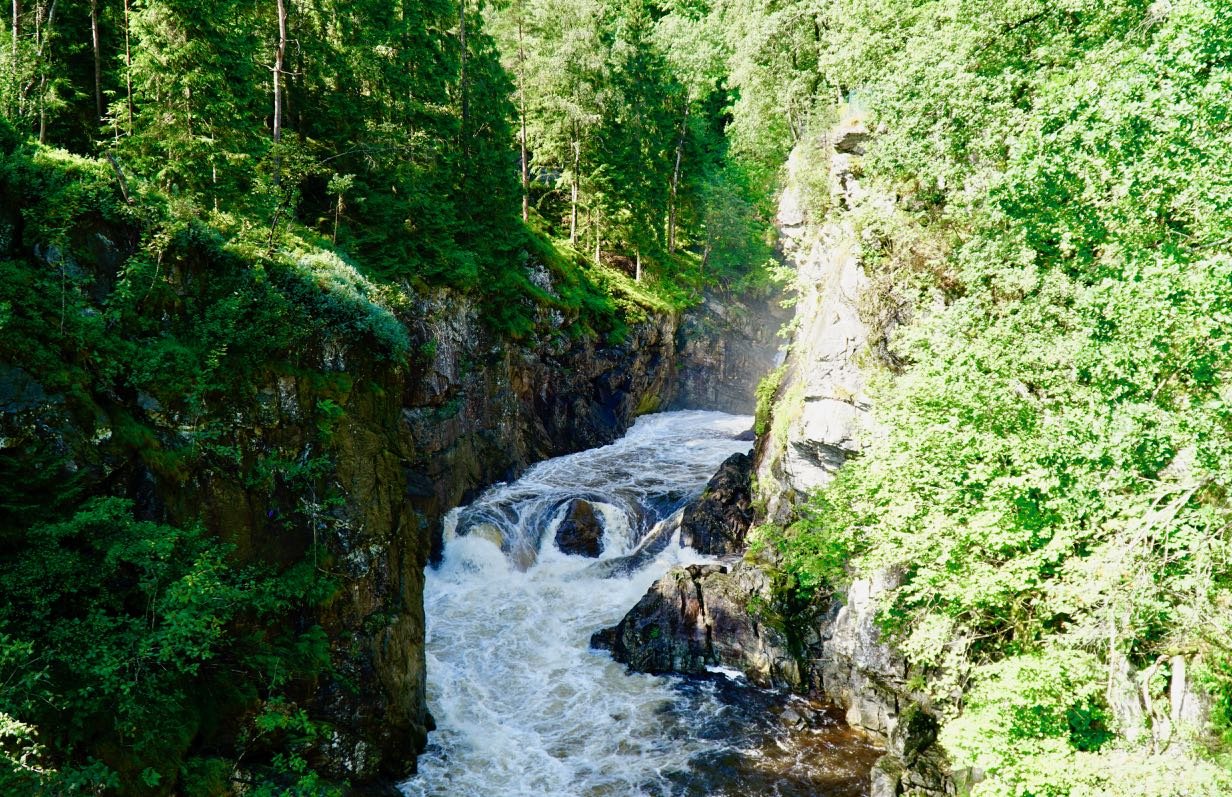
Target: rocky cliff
[726, 345]
[343, 449]
[731, 614]
[821, 399]
[476, 411]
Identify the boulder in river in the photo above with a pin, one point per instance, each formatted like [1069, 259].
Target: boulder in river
[717, 522]
[696, 617]
[580, 533]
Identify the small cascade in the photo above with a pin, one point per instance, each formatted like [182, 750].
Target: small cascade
[524, 707]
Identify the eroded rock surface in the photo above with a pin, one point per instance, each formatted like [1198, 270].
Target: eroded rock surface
[717, 615]
[717, 522]
[697, 617]
[726, 346]
[822, 399]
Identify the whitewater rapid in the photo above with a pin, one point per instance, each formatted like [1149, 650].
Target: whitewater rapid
[523, 706]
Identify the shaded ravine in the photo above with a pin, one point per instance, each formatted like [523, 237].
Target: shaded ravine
[524, 707]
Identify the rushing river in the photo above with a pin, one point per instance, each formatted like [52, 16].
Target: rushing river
[523, 706]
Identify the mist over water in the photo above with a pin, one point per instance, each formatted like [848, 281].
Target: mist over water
[524, 707]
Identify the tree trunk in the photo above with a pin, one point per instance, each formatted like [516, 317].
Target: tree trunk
[13, 111]
[128, 69]
[98, 61]
[594, 226]
[671, 208]
[637, 269]
[462, 87]
[279, 60]
[120, 179]
[41, 31]
[42, 138]
[522, 114]
[573, 215]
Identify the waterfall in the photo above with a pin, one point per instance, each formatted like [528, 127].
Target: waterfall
[524, 707]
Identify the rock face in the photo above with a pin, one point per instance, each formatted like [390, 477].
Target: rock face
[407, 441]
[705, 615]
[471, 411]
[822, 396]
[580, 533]
[717, 522]
[697, 617]
[726, 346]
[715, 615]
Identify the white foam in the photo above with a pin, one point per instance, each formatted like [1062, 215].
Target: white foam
[523, 706]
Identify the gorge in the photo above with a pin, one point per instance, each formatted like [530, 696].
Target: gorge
[616, 397]
[533, 711]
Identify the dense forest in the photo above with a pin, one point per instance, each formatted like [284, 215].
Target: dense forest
[1048, 472]
[196, 194]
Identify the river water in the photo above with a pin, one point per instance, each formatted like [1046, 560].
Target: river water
[523, 705]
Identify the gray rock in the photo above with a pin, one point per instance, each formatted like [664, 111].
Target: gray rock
[823, 393]
[851, 139]
[886, 777]
[698, 616]
[724, 347]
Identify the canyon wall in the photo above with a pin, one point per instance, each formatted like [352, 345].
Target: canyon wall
[343, 455]
[731, 613]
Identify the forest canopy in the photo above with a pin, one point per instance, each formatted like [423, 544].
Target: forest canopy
[1046, 476]
[196, 195]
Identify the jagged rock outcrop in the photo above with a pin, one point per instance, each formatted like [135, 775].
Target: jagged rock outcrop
[413, 443]
[717, 521]
[823, 407]
[697, 617]
[580, 533]
[822, 398]
[478, 411]
[714, 615]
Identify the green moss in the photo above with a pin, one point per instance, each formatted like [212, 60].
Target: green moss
[650, 402]
[767, 390]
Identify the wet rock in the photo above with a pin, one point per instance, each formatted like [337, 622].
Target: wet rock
[698, 616]
[20, 392]
[724, 347]
[886, 777]
[580, 533]
[914, 763]
[717, 522]
[419, 485]
[855, 667]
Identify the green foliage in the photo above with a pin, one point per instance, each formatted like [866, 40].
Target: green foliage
[134, 653]
[126, 642]
[818, 546]
[766, 393]
[626, 130]
[1047, 468]
[1027, 717]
